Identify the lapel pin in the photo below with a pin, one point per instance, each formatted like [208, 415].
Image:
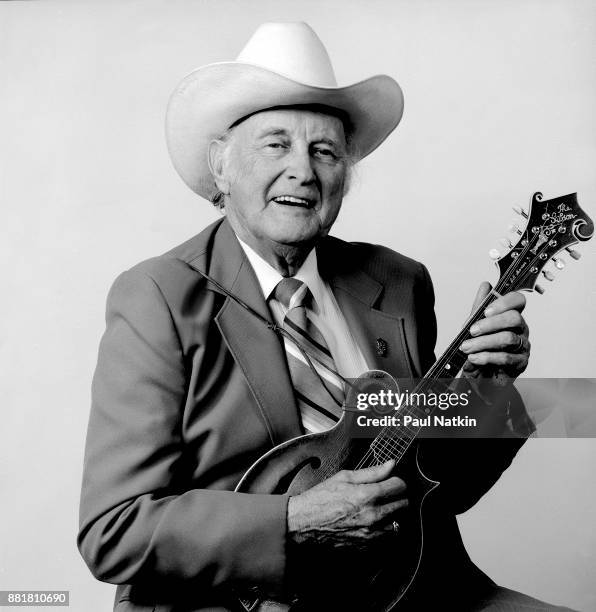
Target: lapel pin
[381, 347]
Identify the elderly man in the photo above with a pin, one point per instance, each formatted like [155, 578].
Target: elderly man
[192, 387]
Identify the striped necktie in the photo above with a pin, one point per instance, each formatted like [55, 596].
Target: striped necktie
[318, 410]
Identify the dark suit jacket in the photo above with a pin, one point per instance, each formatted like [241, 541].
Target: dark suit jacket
[190, 389]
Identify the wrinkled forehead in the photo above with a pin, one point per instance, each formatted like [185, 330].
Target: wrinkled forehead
[320, 120]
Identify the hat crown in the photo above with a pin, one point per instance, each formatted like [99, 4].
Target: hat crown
[292, 49]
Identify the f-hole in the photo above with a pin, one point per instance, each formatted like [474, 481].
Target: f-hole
[285, 482]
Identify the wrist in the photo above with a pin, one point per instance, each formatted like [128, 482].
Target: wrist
[294, 520]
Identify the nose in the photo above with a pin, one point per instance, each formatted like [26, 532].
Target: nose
[300, 166]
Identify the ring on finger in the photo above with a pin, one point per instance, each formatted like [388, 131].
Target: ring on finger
[520, 345]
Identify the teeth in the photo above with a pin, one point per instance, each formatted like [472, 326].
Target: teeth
[292, 200]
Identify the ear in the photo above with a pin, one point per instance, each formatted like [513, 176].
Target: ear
[216, 159]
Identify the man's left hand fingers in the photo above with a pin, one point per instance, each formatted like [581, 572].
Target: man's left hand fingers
[506, 341]
[508, 360]
[482, 292]
[510, 319]
[512, 301]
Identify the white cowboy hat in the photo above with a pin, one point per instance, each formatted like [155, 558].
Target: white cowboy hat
[283, 64]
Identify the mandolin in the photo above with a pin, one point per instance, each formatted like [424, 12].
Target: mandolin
[368, 583]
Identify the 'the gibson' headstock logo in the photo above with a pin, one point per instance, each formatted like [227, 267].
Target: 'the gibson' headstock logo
[561, 215]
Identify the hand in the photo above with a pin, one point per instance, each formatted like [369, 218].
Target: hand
[350, 509]
[499, 347]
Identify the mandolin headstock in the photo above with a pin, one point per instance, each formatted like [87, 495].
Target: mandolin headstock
[551, 226]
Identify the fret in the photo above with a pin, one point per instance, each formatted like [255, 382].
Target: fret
[416, 412]
[454, 364]
[393, 441]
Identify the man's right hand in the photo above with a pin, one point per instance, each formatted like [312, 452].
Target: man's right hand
[350, 509]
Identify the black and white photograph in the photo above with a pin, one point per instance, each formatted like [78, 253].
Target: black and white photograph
[298, 308]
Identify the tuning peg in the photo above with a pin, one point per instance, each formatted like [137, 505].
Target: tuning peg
[573, 253]
[506, 243]
[559, 263]
[520, 211]
[548, 275]
[494, 254]
[539, 289]
[514, 228]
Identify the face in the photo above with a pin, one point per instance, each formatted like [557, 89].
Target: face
[283, 174]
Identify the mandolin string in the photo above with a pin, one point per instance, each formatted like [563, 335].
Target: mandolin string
[379, 439]
[450, 352]
[454, 346]
[439, 364]
[378, 442]
[498, 288]
[518, 282]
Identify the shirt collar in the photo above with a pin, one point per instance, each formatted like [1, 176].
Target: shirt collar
[269, 277]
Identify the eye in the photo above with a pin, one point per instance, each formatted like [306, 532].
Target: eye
[325, 153]
[275, 145]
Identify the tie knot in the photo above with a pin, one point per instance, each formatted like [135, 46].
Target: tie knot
[291, 292]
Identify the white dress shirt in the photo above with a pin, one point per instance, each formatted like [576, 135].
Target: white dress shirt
[348, 357]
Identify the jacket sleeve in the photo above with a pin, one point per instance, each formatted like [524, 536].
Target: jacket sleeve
[467, 467]
[134, 526]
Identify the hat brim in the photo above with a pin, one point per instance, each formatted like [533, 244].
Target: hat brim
[210, 99]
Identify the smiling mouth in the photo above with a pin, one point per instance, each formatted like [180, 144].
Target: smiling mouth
[294, 201]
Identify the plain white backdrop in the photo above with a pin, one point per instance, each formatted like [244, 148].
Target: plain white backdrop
[500, 99]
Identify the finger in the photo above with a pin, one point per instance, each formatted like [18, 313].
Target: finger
[375, 473]
[482, 292]
[388, 490]
[505, 341]
[518, 361]
[390, 512]
[508, 320]
[512, 301]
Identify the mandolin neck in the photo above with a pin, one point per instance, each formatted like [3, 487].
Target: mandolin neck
[393, 441]
[452, 360]
[553, 226]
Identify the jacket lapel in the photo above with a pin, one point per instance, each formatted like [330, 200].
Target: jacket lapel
[379, 334]
[256, 349]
